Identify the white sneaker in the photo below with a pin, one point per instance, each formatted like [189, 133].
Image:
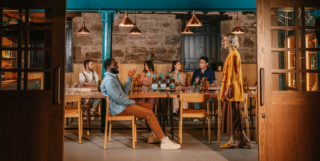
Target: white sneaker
[166, 143]
[174, 111]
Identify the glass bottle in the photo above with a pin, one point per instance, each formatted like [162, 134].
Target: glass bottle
[204, 84]
[135, 85]
[159, 80]
[168, 78]
[154, 85]
[188, 80]
[163, 84]
[172, 84]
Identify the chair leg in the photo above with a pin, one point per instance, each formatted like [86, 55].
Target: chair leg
[88, 120]
[105, 134]
[110, 128]
[135, 128]
[219, 129]
[79, 130]
[215, 124]
[180, 130]
[204, 127]
[81, 123]
[209, 129]
[133, 135]
[248, 128]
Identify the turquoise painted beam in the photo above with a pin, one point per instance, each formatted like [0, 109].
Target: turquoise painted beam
[162, 5]
[107, 20]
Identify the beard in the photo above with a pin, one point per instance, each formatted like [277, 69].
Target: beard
[114, 71]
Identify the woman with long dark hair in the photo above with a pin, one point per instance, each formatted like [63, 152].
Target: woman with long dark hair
[180, 78]
[232, 94]
[146, 78]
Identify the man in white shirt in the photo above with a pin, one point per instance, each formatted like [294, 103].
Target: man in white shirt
[86, 77]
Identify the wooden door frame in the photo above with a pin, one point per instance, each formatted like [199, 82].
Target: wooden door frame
[263, 61]
[54, 123]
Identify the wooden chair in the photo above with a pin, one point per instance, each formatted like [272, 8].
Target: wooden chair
[119, 118]
[194, 113]
[244, 115]
[74, 111]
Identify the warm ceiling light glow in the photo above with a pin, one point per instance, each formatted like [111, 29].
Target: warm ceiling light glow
[126, 22]
[194, 21]
[187, 30]
[135, 29]
[83, 29]
[237, 30]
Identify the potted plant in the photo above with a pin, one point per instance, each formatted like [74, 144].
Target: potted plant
[219, 65]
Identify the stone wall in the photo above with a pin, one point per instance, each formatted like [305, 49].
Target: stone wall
[160, 35]
[248, 40]
[88, 46]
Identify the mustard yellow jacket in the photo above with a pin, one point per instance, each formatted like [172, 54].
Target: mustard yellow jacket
[232, 76]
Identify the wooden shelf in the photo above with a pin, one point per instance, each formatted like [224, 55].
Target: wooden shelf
[9, 58]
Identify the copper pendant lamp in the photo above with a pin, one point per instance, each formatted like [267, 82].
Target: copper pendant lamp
[126, 22]
[194, 21]
[135, 29]
[187, 30]
[237, 30]
[83, 29]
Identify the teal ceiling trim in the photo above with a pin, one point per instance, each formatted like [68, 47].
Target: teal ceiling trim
[162, 5]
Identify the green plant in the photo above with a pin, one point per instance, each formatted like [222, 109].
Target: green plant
[195, 83]
[218, 63]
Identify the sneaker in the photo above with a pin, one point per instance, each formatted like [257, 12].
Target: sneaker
[196, 120]
[174, 111]
[166, 143]
[152, 139]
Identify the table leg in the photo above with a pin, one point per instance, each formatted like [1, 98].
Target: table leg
[164, 116]
[251, 118]
[171, 119]
[159, 111]
[88, 116]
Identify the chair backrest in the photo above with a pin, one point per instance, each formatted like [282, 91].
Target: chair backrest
[194, 98]
[107, 108]
[73, 98]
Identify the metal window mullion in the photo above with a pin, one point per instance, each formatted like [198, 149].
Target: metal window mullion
[296, 25]
[26, 53]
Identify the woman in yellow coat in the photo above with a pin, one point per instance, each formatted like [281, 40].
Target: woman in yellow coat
[232, 94]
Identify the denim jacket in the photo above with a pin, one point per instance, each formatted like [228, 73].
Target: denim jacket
[111, 87]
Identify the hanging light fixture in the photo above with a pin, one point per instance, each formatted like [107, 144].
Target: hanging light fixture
[135, 29]
[194, 21]
[237, 30]
[187, 30]
[126, 22]
[83, 29]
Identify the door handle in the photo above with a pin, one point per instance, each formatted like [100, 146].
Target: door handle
[56, 86]
[261, 86]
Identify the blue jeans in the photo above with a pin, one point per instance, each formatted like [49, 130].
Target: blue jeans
[197, 105]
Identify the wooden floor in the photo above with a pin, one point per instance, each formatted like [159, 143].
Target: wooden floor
[194, 147]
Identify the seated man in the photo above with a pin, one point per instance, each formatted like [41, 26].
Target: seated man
[86, 78]
[121, 104]
[204, 71]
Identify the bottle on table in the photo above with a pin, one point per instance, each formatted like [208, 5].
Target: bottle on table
[204, 84]
[188, 80]
[135, 85]
[159, 79]
[168, 78]
[163, 85]
[154, 85]
[172, 84]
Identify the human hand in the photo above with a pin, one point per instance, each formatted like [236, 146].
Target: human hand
[197, 79]
[132, 72]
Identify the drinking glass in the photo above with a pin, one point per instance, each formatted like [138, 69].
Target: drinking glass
[72, 90]
[215, 83]
[66, 88]
[178, 89]
[93, 83]
[197, 89]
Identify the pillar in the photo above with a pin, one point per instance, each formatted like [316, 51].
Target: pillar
[107, 17]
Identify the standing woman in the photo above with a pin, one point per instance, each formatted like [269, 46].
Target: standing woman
[181, 78]
[232, 94]
[146, 78]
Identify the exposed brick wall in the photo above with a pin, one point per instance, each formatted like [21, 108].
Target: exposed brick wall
[248, 40]
[160, 35]
[87, 46]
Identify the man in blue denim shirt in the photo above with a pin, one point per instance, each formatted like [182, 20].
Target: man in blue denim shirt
[203, 71]
[120, 103]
